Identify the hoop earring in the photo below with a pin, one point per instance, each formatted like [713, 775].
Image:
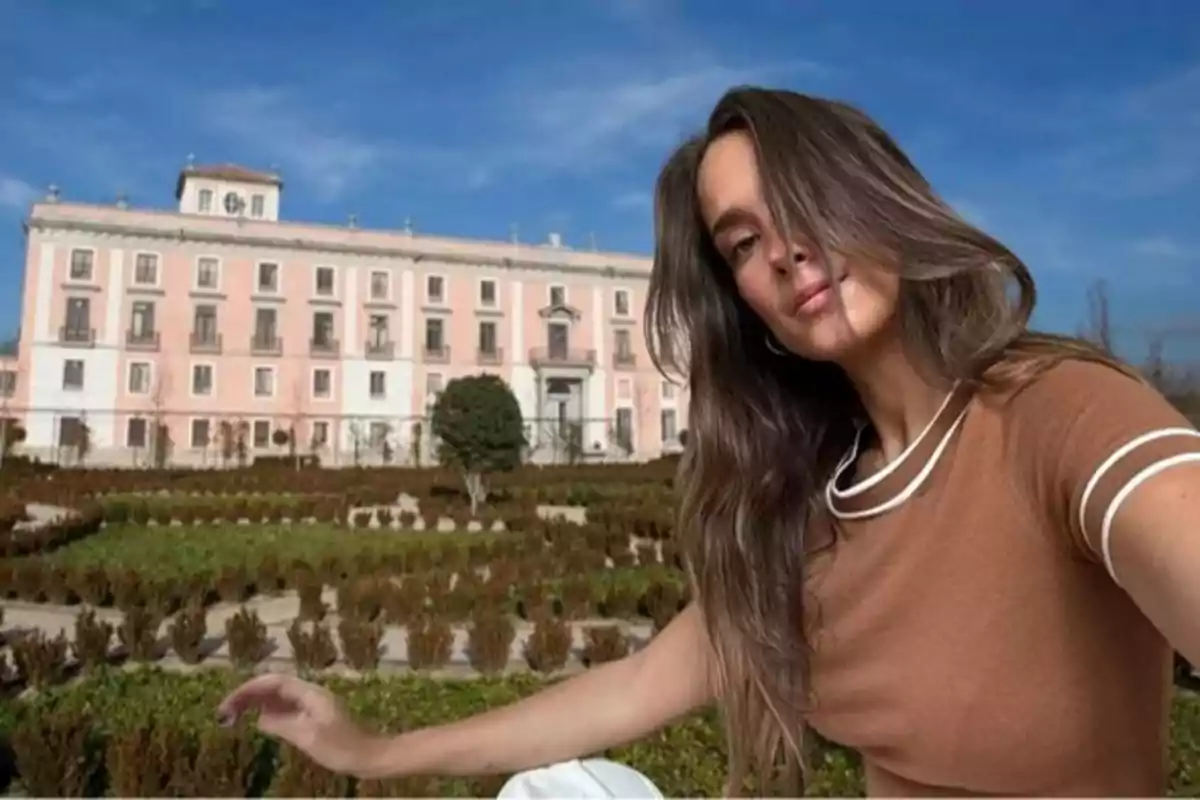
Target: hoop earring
[774, 348]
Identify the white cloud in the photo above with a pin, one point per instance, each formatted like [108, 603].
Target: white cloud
[634, 200]
[1164, 248]
[15, 194]
[597, 116]
[269, 125]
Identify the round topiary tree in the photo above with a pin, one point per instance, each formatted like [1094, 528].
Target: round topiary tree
[478, 424]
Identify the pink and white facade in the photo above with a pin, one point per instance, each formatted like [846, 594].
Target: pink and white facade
[218, 312]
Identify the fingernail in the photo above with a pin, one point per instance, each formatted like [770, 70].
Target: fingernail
[225, 719]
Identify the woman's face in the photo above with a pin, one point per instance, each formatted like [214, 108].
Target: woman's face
[817, 313]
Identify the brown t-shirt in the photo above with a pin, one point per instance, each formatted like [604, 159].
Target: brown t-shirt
[969, 637]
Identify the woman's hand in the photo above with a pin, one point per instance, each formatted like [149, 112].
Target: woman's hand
[306, 716]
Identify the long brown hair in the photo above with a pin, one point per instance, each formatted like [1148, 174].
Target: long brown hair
[765, 431]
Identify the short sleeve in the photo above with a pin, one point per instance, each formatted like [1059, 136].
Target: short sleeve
[1087, 435]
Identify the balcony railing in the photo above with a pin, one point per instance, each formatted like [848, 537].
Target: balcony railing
[262, 344]
[380, 349]
[624, 360]
[142, 340]
[437, 355]
[562, 357]
[208, 343]
[493, 356]
[323, 347]
[83, 337]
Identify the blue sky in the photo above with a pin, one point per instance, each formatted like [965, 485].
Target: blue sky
[1070, 129]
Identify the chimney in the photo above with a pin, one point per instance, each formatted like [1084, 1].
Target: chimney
[52, 193]
[122, 201]
[555, 240]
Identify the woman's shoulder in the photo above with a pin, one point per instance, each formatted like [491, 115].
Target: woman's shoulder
[1052, 393]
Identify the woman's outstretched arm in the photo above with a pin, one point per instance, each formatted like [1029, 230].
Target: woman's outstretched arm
[601, 708]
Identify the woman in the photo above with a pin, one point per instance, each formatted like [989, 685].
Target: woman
[913, 525]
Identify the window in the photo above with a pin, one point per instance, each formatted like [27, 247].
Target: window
[621, 302]
[141, 320]
[8, 383]
[624, 429]
[380, 284]
[202, 380]
[257, 205]
[322, 384]
[487, 338]
[487, 293]
[71, 431]
[268, 277]
[208, 273]
[200, 433]
[322, 331]
[135, 432]
[433, 384]
[82, 262]
[378, 433]
[206, 198]
[324, 282]
[558, 339]
[435, 289]
[233, 203]
[434, 335]
[558, 295]
[72, 374]
[378, 383]
[320, 433]
[668, 391]
[624, 346]
[378, 325]
[260, 433]
[670, 432]
[264, 382]
[139, 377]
[79, 317]
[145, 269]
[204, 324]
[264, 327]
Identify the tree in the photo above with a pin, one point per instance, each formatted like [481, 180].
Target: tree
[1099, 324]
[161, 437]
[477, 421]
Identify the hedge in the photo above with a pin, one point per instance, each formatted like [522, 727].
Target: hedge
[149, 732]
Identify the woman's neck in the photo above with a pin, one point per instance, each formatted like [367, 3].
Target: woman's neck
[899, 397]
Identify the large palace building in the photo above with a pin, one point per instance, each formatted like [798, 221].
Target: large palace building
[158, 332]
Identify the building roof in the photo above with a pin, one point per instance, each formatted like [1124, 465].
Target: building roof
[226, 172]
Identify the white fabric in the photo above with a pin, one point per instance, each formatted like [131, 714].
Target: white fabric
[592, 778]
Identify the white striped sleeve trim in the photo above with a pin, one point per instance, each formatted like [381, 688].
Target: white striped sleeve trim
[1139, 477]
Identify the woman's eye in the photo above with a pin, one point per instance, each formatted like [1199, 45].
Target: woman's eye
[742, 246]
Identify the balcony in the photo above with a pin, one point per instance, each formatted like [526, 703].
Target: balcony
[142, 340]
[562, 357]
[77, 336]
[437, 354]
[323, 347]
[493, 356]
[624, 360]
[265, 344]
[380, 349]
[205, 343]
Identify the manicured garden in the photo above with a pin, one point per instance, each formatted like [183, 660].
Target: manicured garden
[173, 585]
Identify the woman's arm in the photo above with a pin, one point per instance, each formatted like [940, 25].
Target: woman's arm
[1154, 547]
[601, 708]
[1120, 469]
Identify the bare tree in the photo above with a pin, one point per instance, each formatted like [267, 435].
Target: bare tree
[12, 433]
[161, 437]
[296, 418]
[1099, 323]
